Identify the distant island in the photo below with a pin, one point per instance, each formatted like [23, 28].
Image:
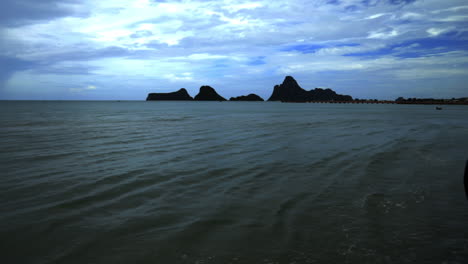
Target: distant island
[207, 93]
[250, 97]
[181, 95]
[290, 92]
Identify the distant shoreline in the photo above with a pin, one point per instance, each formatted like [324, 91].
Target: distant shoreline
[290, 92]
[389, 102]
[314, 102]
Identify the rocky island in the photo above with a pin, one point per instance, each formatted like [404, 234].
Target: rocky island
[180, 95]
[290, 91]
[250, 97]
[207, 93]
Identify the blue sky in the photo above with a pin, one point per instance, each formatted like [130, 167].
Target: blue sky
[124, 49]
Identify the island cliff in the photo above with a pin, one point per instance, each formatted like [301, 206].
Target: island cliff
[207, 93]
[290, 91]
[180, 95]
[250, 97]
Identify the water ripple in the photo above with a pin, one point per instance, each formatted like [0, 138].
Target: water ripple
[106, 182]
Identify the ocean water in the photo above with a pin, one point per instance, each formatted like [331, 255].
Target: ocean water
[232, 182]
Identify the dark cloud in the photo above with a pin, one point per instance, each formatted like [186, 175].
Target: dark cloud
[207, 23]
[370, 3]
[416, 48]
[392, 2]
[400, 2]
[51, 64]
[86, 53]
[351, 8]
[156, 45]
[312, 48]
[10, 65]
[259, 60]
[20, 12]
[68, 70]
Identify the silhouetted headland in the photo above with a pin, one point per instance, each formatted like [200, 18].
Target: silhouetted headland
[180, 95]
[250, 97]
[290, 91]
[207, 93]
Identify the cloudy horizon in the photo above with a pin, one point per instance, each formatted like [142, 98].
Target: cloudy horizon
[123, 50]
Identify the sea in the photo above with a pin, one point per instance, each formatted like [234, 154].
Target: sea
[232, 182]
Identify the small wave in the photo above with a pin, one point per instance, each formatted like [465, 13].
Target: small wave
[290, 204]
[372, 133]
[381, 203]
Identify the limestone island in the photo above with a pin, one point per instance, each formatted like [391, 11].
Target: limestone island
[290, 91]
[207, 93]
[180, 95]
[250, 97]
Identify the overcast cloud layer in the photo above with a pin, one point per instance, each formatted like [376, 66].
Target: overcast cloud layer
[123, 49]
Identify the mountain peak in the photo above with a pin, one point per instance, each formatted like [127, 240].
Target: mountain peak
[290, 91]
[208, 93]
[181, 94]
[288, 78]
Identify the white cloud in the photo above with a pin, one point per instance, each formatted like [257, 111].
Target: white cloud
[425, 74]
[190, 41]
[82, 89]
[236, 7]
[451, 9]
[434, 32]
[205, 56]
[376, 16]
[411, 15]
[460, 18]
[383, 34]
[177, 78]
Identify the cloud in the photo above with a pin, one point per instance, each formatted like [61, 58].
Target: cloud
[383, 34]
[233, 8]
[438, 31]
[83, 89]
[186, 76]
[453, 19]
[10, 65]
[143, 45]
[20, 12]
[376, 16]
[411, 16]
[205, 56]
[400, 2]
[451, 9]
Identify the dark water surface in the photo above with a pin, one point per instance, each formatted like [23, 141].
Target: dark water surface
[232, 182]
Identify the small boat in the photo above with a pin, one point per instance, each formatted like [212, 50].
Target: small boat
[438, 108]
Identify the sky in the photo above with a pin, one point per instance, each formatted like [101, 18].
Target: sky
[125, 49]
